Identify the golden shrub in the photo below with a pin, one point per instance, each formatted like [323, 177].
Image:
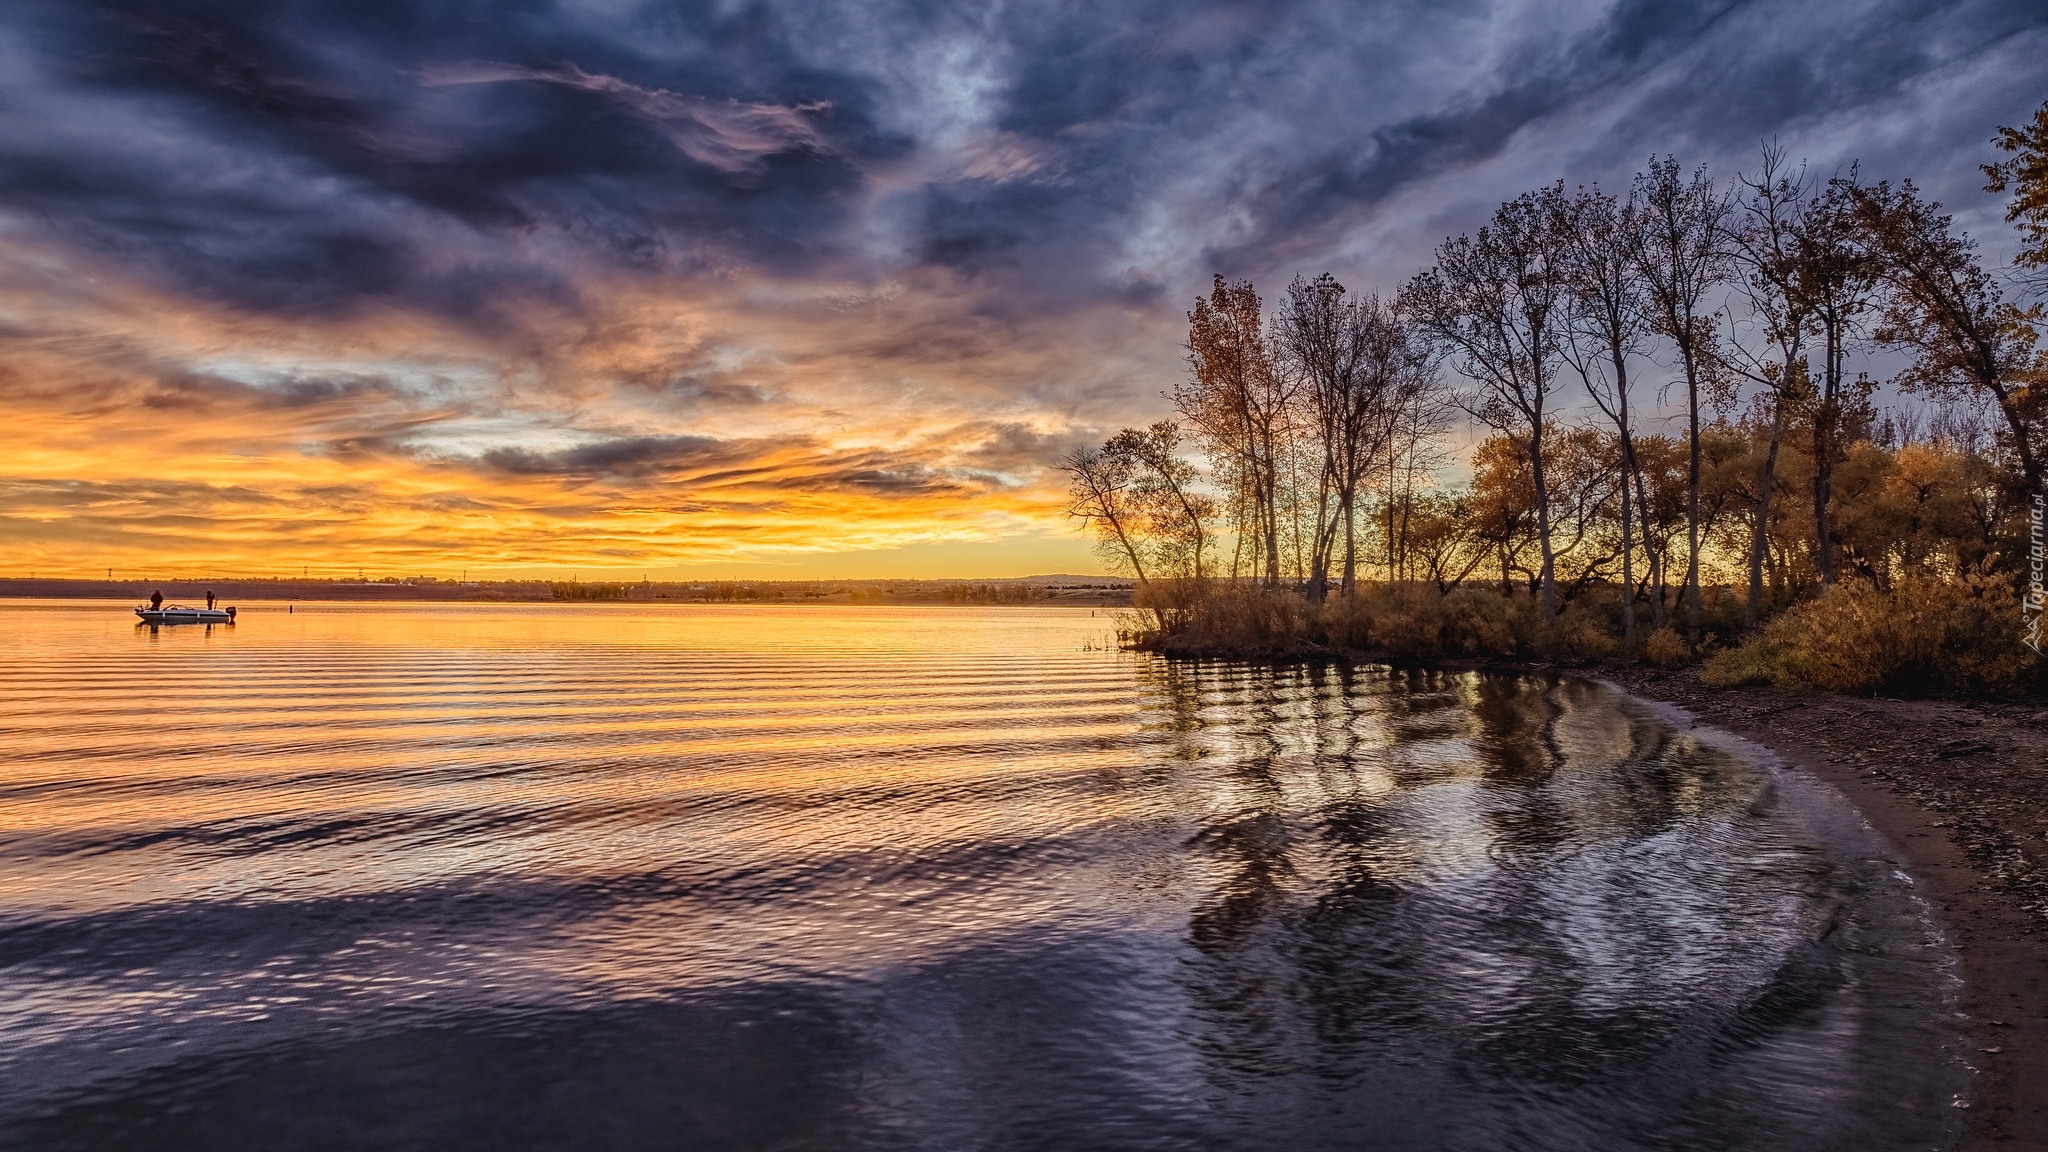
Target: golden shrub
[1665, 648]
[1923, 635]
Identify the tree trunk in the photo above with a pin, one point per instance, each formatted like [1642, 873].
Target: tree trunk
[1823, 493]
[1692, 501]
[1546, 580]
[2031, 465]
[1824, 459]
[1760, 538]
[1270, 515]
[1628, 566]
[1628, 455]
[1350, 586]
[1651, 554]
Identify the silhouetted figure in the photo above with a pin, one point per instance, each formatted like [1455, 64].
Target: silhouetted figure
[156, 600]
[209, 601]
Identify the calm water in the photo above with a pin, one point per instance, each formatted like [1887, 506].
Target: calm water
[621, 877]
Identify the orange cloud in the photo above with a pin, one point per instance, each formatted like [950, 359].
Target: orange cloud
[654, 426]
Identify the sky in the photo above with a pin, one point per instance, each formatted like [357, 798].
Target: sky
[791, 290]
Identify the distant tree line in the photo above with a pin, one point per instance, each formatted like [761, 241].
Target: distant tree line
[1323, 419]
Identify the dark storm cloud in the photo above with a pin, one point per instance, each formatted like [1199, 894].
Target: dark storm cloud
[759, 467]
[310, 156]
[461, 158]
[624, 456]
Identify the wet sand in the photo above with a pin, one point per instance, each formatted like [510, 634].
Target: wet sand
[1962, 790]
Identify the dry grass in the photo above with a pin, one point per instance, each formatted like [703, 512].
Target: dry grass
[1922, 636]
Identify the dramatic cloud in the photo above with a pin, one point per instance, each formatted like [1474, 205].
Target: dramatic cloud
[732, 137]
[659, 287]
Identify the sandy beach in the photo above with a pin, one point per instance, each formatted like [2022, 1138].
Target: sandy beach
[1959, 789]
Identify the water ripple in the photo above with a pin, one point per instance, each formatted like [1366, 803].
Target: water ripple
[647, 875]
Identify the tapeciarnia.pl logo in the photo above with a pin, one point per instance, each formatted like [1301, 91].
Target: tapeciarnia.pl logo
[2037, 595]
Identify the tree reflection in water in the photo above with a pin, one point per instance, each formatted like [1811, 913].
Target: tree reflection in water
[1456, 909]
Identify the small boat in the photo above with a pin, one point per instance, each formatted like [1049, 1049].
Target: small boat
[180, 614]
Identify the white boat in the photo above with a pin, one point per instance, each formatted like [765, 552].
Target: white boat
[180, 614]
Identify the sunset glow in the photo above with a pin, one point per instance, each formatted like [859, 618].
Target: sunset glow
[793, 292]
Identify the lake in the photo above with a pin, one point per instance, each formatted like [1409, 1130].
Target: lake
[664, 876]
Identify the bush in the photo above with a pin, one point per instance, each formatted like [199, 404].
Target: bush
[1580, 634]
[1478, 622]
[1405, 620]
[1402, 621]
[1924, 635]
[1665, 648]
[1228, 620]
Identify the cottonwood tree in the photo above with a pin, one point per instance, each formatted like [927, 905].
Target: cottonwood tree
[1099, 496]
[1441, 536]
[1607, 326]
[1174, 514]
[1680, 253]
[1237, 401]
[1139, 497]
[1494, 301]
[1765, 249]
[1837, 273]
[2026, 174]
[1583, 479]
[1415, 453]
[1947, 310]
[1360, 372]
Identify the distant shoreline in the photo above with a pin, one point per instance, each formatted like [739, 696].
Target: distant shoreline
[1039, 591]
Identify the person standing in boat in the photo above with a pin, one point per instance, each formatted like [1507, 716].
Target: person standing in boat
[156, 600]
[209, 600]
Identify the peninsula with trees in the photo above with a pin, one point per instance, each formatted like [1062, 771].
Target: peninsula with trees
[1785, 522]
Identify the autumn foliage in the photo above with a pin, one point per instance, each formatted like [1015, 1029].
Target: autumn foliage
[1787, 526]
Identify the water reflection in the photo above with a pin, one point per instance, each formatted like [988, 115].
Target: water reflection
[1518, 907]
[775, 878]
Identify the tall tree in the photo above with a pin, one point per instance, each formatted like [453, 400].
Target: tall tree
[2026, 174]
[1837, 273]
[1947, 309]
[1495, 302]
[1237, 401]
[1765, 247]
[1607, 327]
[1359, 369]
[1681, 253]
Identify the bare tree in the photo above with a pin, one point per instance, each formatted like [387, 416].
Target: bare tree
[1162, 490]
[1837, 273]
[1237, 402]
[1495, 302]
[1680, 252]
[1360, 371]
[1099, 496]
[1765, 246]
[1414, 452]
[1606, 327]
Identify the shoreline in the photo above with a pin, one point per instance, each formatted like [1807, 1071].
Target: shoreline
[1024, 592]
[1960, 791]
